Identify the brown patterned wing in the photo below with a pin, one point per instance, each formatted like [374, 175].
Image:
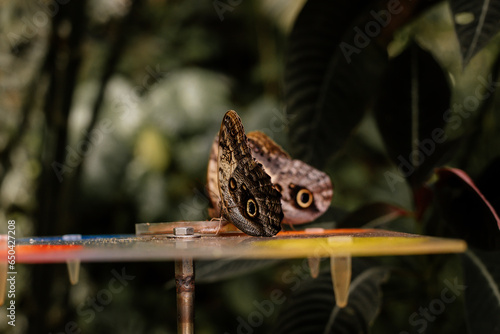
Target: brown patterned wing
[306, 192]
[261, 144]
[248, 198]
[213, 180]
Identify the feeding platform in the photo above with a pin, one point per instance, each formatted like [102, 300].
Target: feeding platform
[184, 242]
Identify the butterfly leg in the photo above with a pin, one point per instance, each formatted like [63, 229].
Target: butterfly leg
[219, 226]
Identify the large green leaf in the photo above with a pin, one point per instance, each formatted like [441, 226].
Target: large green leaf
[312, 309]
[331, 74]
[476, 22]
[409, 113]
[482, 295]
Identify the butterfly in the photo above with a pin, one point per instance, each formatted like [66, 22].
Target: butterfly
[306, 191]
[248, 198]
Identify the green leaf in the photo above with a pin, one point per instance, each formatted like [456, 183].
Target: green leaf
[328, 87]
[409, 113]
[482, 295]
[476, 22]
[312, 309]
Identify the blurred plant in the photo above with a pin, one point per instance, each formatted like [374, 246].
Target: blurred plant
[433, 98]
[109, 109]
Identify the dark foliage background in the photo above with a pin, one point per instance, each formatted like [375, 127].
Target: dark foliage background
[109, 109]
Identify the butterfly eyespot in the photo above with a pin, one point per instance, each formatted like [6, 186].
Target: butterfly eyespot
[278, 187]
[244, 187]
[232, 184]
[251, 208]
[304, 198]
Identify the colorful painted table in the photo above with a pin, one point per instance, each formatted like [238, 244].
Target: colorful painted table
[183, 242]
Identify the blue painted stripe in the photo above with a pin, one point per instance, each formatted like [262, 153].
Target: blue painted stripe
[59, 239]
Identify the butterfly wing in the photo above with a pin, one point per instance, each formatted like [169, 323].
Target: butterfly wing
[248, 198]
[213, 179]
[306, 192]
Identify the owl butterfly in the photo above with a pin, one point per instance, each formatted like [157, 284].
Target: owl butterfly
[248, 199]
[306, 192]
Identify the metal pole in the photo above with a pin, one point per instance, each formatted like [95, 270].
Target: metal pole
[184, 282]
